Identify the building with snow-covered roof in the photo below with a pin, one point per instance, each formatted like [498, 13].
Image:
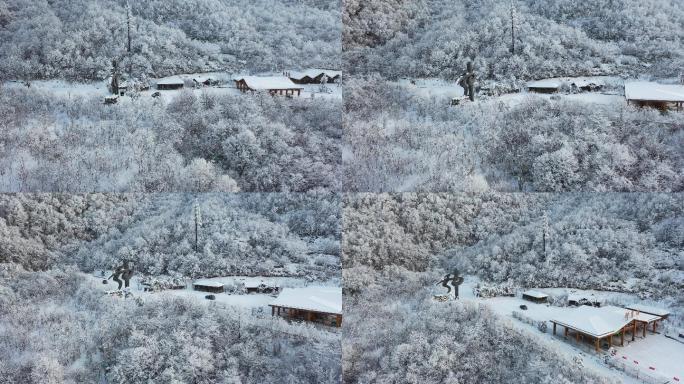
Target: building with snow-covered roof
[544, 86]
[208, 286]
[170, 83]
[649, 94]
[535, 296]
[314, 76]
[587, 84]
[260, 286]
[203, 81]
[664, 313]
[316, 304]
[274, 85]
[603, 324]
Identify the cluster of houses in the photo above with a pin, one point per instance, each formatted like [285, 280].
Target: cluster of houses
[288, 84]
[599, 324]
[321, 305]
[640, 93]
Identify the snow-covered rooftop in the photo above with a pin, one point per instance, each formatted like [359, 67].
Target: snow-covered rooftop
[535, 294]
[577, 296]
[319, 299]
[643, 90]
[546, 83]
[632, 314]
[255, 283]
[269, 82]
[208, 283]
[171, 80]
[597, 322]
[648, 309]
[202, 79]
[587, 82]
[314, 72]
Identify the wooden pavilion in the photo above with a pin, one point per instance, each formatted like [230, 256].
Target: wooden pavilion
[315, 304]
[603, 324]
[655, 95]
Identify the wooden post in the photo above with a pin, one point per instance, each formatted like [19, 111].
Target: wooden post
[634, 330]
[644, 329]
[339, 321]
[610, 340]
[554, 329]
[655, 323]
[566, 332]
[272, 311]
[577, 336]
[596, 344]
[622, 337]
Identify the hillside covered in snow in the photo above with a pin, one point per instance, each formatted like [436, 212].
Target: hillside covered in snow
[77, 40]
[510, 40]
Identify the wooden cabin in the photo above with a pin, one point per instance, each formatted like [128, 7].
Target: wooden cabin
[208, 286]
[274, 85]
[314, 304]
[170, 83]
[544, 86]
[654, 95]
[535, 296]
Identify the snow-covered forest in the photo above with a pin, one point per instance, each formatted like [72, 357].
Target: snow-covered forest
[513, 40]
[406, 129]
[56, 325]
[397, 140]
[77, 39]
[395, 333]
[240, 233]
[55, 142]
[635, 238]
[355, 191]
[396, 246]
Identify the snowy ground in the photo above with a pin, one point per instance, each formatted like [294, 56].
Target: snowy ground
[68, 89]
[439, 88]
[655, 350]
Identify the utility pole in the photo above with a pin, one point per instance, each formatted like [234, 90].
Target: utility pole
[513, 14]
[198, 223]
[128, 28]
[128, 25]
[545, 234]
